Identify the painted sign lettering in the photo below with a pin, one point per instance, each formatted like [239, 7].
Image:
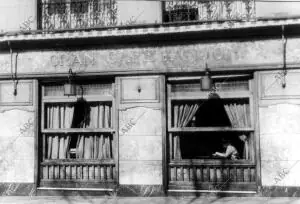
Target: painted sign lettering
[79, 61]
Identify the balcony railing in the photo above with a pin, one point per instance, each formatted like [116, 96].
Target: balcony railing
[80, 14]
[207, 10]
[75, 14]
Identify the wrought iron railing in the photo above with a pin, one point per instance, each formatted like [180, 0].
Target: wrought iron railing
[208, 10]
[76, 14]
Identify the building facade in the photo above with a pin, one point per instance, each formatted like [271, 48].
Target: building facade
[146, 97]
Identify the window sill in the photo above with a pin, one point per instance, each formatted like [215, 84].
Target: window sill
[79, 130]
[211, 162]
[211, 129]
[78, 161]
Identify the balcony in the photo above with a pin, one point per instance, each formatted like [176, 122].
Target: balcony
[77, 14]
[205, 11]
[81, 14]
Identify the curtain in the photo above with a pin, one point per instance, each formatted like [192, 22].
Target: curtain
[182, 115]
[238, 114]
[248, 152]
[100, 116]
[94, 147]
[59, 116]
[88, 146]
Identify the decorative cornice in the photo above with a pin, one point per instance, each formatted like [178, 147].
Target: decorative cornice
[146, 30]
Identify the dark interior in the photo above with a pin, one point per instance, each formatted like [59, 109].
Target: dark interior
[203, 145]
[211, 113]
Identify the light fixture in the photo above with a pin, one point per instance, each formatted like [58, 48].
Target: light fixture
[13, 72]
[284, 70]
[70, 87]
[206, 81]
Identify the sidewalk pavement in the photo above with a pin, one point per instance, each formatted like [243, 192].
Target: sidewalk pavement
[146, 200]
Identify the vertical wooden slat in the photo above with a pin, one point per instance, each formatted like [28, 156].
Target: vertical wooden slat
[114, 173]
[86, 172]
[108, 170]
[171, 174]
[208, 174]
[68, 176]
[97, 172]
[102, 178]
[170, 146]
[185, 174]
[212, 172]
[253, 177]
[56, 171]
[181, 174]
[239, 175]
[228, 175]
[178, 170]
[62, 171]
[81, 171]
[44, 147]
[74, 173]
[46, 172]
[91, 172]
[247, 174]
[219, 174]
[52, 171]
[204, 174]
[78, 173]
[105, 172]
[232, 174]
[198, 174]
[71, 172]
[224, 174]
[242, 174]
[193, 174]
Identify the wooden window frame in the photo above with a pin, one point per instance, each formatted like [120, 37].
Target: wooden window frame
[108, 168]
[191, 166]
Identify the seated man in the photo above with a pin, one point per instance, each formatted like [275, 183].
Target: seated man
[230, 153]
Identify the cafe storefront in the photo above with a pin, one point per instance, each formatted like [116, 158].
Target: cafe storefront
[139, 119]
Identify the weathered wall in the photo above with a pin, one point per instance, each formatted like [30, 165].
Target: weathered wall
[16, 15]
[271, 9]
[168, 58]
[279, 121]
[17, 125]
[139, 12]
[140, 130]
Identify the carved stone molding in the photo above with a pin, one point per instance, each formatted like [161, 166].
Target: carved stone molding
[168, 58]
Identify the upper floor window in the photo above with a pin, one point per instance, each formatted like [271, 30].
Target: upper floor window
[70, 14]
[223, 10]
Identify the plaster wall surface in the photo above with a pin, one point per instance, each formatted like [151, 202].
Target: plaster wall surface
[16, 15]
[140, 131]
[271, 9]
[279, 122]
[16, 134]
[139, 12]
